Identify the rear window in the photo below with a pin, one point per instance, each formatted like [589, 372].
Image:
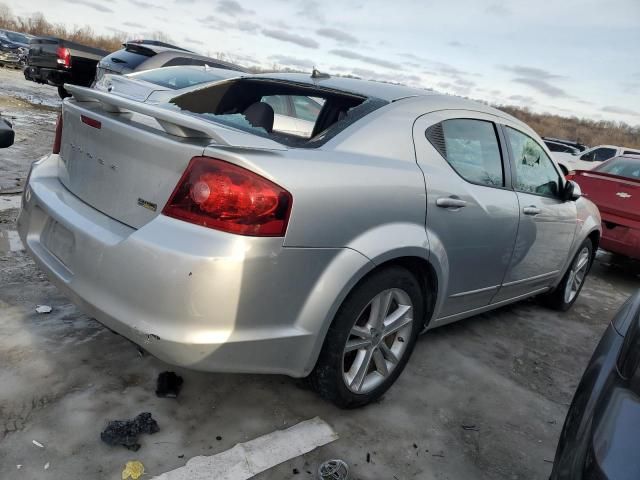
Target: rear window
[183, 77]
[131, 56]
[622, 167]
[270, 108]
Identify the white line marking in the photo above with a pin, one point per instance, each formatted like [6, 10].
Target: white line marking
[10, 241]
[250, 458]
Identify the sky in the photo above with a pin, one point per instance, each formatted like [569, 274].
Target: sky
[568, 57]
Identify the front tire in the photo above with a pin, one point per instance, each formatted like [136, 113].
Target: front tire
[569, 288]
[371, 339]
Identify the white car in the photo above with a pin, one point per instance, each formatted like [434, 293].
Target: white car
[591, 157]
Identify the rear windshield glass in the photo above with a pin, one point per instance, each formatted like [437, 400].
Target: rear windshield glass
[129, 57]
[293, 114]
[623, 167]
[183, 77]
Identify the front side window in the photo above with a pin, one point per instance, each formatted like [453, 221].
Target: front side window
[471, 148]
[598, 155]
[535, 172]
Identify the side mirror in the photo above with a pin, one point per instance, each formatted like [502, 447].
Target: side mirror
[6, 134]
[572, 191]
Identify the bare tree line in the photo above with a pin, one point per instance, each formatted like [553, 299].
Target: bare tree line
[590, 132]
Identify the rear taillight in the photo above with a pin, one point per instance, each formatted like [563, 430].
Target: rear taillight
[57, 141]
[217, 194]
[571, 175]
[64, 57]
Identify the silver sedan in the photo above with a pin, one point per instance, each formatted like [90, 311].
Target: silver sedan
[197, 228]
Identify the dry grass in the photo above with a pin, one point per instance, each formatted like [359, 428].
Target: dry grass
[38, 25]
[586, 131]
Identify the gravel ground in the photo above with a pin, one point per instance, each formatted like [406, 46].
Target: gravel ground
[506, 376]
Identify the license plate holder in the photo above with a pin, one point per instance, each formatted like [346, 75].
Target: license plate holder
[59, 240]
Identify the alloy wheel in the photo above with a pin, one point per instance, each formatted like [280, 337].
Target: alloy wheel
[577, 275]
[377, 341]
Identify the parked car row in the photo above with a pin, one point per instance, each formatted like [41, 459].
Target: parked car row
[591, 157]
[57, 62]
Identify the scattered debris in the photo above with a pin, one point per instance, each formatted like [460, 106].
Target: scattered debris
[125, 432]
[368, 457]
[134, 470]
[37, 443]
[43, 309]
[181, 456]
[415, 445]
[46, 466]
[547, 460]
[333, 470]
[470, 427]
[218, 438]
[441, 455]
[18, 467]
[296, 471]
[168, 385]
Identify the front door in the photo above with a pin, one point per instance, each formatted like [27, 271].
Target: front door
[472, 213]
[547, 222]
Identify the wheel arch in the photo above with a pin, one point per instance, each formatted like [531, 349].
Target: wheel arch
[419, 266]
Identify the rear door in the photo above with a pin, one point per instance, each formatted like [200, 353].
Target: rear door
[547, 223]
[472, 213]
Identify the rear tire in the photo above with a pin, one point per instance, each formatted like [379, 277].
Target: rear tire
[370, 340]
[566, 293]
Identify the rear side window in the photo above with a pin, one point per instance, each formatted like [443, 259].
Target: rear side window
[129, 58]
[279, 103]
[535, 172]
[471, 148]
[307, 108]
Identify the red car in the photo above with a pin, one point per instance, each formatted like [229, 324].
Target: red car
[614, 187]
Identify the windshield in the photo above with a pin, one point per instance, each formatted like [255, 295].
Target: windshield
[177, 78]
[622, 167]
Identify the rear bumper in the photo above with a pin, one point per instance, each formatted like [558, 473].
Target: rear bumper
[191, 296]
[621, 239]
[50, 76]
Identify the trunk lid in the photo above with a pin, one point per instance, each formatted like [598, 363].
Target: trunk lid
[612, 194]
[124, 158]
[125, 169]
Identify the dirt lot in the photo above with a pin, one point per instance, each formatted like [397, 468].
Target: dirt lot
[506, 376]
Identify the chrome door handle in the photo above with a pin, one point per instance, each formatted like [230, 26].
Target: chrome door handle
[450, 202]
[531, 210]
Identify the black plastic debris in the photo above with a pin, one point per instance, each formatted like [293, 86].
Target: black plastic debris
[168, 385]
[125, 432]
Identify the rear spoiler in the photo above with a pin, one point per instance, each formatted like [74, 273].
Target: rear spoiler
[175, 122]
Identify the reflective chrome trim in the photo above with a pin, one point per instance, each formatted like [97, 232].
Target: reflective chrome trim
[472, 292]
[531, 279]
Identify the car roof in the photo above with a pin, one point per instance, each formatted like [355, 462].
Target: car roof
[28, 35]
[367, 88]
